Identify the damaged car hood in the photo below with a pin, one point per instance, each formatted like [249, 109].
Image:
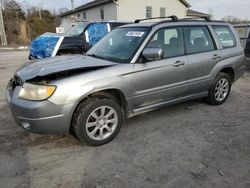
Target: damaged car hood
[60, 64]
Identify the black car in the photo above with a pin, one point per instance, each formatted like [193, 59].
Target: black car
[79, 39]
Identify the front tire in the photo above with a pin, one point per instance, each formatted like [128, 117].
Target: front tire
[220, 89]
[97, 121]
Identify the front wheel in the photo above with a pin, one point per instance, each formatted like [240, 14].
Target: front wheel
[219, 90]
[97, 121]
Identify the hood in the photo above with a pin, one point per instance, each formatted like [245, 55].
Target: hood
[44, 45]
[60, 64]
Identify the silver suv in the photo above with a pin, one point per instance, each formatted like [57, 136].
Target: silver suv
[134, 69]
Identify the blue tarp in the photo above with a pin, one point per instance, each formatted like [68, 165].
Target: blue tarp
[96, 32]
[44, 45]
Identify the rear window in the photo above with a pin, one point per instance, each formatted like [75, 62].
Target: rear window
[226, 36]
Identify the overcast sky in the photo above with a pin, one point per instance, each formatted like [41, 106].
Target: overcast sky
[220, 8]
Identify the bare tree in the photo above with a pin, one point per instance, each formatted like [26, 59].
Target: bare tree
[235, 20]
[13, 15]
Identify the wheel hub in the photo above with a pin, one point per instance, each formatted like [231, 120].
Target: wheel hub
[101, 123]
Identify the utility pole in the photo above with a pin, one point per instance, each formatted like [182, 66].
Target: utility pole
[40, 5]
[2, 29]
[72, 4]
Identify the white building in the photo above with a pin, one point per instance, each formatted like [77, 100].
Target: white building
[130, 10]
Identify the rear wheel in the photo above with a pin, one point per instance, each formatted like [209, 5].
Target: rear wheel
[219, 90]
[97, 121]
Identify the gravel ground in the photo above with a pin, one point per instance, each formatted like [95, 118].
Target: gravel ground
[187, 145]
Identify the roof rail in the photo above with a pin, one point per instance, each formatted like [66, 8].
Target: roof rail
[204, 17]
[174, 19]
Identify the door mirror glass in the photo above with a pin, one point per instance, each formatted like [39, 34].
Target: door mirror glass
[153, 54]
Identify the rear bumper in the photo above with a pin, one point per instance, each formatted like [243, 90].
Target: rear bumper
[41, 117]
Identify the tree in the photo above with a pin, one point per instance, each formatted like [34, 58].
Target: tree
[22, 25]
[40, 21]
[13, 15]
[235, 20]
[63, 10]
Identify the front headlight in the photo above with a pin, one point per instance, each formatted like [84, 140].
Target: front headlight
[36, 92]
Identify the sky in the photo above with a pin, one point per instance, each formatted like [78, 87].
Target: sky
[219, 8]
[222, 8]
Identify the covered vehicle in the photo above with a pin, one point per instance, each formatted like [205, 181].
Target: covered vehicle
[79, 39]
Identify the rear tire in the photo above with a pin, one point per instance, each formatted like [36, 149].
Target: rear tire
[97, 121]
[219, 90]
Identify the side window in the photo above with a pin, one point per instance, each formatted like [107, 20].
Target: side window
[148, 12]
[162, 12]
[84, 15]
[226, 36]
[170, 40]
[198, 40]
[102, 13]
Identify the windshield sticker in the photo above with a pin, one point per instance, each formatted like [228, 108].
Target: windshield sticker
[135, 34]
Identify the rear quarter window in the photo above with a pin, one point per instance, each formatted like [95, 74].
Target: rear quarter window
[226, 36]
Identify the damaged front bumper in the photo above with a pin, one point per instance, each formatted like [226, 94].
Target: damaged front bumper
[41, 117]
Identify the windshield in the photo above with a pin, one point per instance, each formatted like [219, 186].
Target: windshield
[77, 29]
[119, 45]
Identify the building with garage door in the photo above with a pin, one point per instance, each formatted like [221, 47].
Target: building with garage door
[129, 10]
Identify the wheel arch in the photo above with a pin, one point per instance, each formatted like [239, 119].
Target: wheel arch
[230, 71]
[114, 94]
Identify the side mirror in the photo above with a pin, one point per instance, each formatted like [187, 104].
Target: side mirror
[153, 54]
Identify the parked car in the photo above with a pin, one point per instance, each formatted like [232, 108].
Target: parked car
[77, 41]
[136, 68]
[244, 34]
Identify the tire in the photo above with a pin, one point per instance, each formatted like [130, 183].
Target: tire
[219, 90]
[90, 112]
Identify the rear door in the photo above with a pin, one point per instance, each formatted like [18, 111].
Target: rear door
[202, 55]
[162, 80]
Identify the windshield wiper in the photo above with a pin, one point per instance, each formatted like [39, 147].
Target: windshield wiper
[96, 56]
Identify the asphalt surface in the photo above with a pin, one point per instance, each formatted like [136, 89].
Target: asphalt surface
[187, 145]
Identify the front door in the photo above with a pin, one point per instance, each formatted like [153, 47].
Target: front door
[156, 82]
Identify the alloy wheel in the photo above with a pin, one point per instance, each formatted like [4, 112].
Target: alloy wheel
[101, 123]
[221, 89]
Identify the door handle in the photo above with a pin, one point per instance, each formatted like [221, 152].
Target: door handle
[216, 56]
[178, 63]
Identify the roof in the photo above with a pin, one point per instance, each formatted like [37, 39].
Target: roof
[101, 2]
[191, 12]
[185, 3]
[86, 6]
